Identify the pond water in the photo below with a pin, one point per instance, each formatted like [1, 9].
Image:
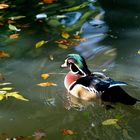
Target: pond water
[112, 38]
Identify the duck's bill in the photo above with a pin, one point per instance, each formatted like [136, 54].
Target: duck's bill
[64, 65]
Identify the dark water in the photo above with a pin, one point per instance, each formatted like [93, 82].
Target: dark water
[113, 38]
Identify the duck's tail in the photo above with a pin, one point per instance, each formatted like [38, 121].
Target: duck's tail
[117, 94]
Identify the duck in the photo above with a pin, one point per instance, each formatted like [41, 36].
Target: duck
[86, 85]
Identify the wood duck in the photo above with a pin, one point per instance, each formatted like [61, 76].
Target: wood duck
[83, 84]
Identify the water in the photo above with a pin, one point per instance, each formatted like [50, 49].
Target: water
[112, 46]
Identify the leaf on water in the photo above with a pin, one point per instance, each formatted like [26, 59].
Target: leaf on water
[2, 96]
[6, 88]
[4, 84]
[17, 17]
[40, 44]
[14, 36]
[4, 54]
[68, 132]
[51, 57]
[3, 6]
[110, 122]
[47, 84]
[138, 51]
[16, 95]
[77, 36]
[13, 28]
[65, 35]
[49, 1]
[63, 46]
[39, 134]
[45, 76]
[62, 41]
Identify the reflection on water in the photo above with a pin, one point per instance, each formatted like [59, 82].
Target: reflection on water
[51, 108]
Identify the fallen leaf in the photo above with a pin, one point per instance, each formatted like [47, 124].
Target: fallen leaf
[138, 51]
[51, 57]
[4, 54]
[68, 132]
[16, 95]
[2, 77]
[13, 28]
[14, 36]
[3, 6]
[6, 88]
[39, 134]
[17, 17]
[47, 84]
[49, 1]
[65, 35]
[62, 46]
[45, 76]
[77, 36]
[40, 44]
[4, 84]
[2, 96]
[110, 122]
[62, 41]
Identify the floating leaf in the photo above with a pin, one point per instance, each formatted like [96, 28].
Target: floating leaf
[14, 36]
[68, 132]
[17, 17]
[45, 76]
[77, 36]
[47, 84]
[40, 44]
[65, 35]
[3, 6]
[6, 88]
[16, 95]
[14, 28]
[62, 46]
[39, 134]
[51, 57]
[110, 122]
[62, 41]
[138, 51]
[2, 96]
[4, 84]
[49, 1]
[4, 54]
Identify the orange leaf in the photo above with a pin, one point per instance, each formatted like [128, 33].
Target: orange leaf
[45, 76]
[68, 132]
[3, 6]
[65, 35]
[47, 84]
[48, 1]
[4, 54]
[14, 36]
[77, 36]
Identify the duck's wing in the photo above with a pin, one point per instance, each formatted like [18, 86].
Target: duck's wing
[92, 83]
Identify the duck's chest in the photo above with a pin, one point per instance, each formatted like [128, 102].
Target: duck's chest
[70, 78]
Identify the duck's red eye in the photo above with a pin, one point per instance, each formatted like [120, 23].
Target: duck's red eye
[70, 61]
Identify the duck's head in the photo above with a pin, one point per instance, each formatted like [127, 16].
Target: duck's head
[77, 64]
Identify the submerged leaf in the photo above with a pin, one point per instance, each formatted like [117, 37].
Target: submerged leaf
[14, 28]
[16, 95]
[40, 44]
[14, 36]
[65, 35]
[3, 6]
[62, 46]
[110, 122]
[39, 134]
[45, 76]
[68, 132]
[47, 84]
[4, 54]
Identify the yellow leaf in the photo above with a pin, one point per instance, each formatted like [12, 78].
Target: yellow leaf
[110, 122]
[4, 84]
[40, 44]
[2, 96]
[138, 51]
[65, 35]
[14, 36]
[16, 95]
[4, 54]
[6, 88]
[45, 76]
[4, 6]
[68, 132]
[47, 84]
[62, 46]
